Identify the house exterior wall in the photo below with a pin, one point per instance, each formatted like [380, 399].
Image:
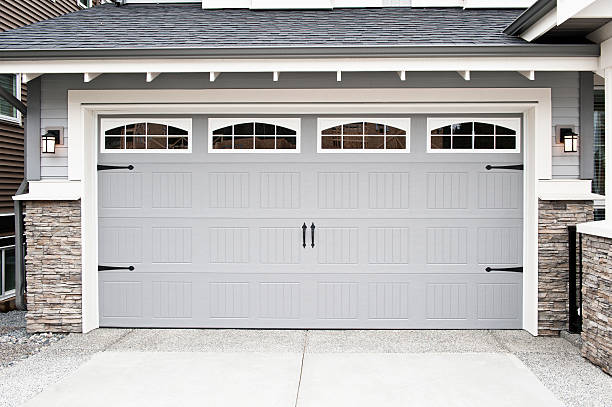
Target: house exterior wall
[17, 13]
[53, 266]
[565, 97]
[597, 301]
[553, 260]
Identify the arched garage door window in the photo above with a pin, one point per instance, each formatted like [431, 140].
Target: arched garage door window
[473, 135]
[352, 135]
[269, 135]
[145, 135]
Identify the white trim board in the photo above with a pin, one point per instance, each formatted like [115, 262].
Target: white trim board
[332, 65]
[534, 104]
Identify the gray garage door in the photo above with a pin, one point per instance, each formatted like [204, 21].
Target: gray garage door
[309, 239]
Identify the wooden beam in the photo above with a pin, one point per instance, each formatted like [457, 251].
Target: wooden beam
[152, 75]
[214, 76]
[275, 76]
[465, 75]
[402, 75]
[27, 77]
[338, 76]
[528, 74]
[88, 76]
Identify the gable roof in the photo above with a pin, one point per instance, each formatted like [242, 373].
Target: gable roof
[187, 29]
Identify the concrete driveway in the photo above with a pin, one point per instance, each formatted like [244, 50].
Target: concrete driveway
[306, 369]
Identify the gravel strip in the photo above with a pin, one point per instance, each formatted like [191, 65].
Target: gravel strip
[16, 344]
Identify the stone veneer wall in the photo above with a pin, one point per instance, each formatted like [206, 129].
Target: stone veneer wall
[53, 266]
[597, 301]
[553, 263]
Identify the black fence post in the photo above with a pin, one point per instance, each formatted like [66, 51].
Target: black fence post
[575, 324]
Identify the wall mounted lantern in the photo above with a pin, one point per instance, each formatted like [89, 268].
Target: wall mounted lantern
[48, 143]
[570, 143]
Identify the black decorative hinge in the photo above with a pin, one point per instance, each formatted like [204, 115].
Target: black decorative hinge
[509, 269]
[109, 268]
[304, 227]
[114, 167]
[312, 229]
[519, 167]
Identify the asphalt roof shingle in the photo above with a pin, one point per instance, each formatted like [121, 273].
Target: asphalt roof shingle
[184, 26]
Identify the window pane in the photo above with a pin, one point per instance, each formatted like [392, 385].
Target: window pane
[178, 143]
[501, 130]
[117, 131]
[244, 129]
[154, 129]
[394, 131]
[462, 142]
[332, 130]
[224, 131]
[440, 142]
[221, 142]
[8, 82]
[483, 128]
[114, 143]
[157, 143]
[396, 143]
[331, 142]
[463, 128]
[484, 143]
[374, 129]
[352, 142]
[175, 131]
[353, 128]
[286, 143]
[243, 143]
[264, 129]
[264, 143]
[505, 142]
[135, 143]
[136, 129]
[283, 131]
[441, 130]
[374, 142]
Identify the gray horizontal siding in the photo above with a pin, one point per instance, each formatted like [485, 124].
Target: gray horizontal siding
[564, 85]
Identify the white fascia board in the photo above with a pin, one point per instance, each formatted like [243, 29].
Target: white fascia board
[498, 3]
[567, 9]
[545, 24]
[437, 3]
[606, 57]
[442, 64]
[599, 9]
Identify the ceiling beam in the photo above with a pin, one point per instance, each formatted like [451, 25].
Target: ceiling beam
[338, 76]
[214, 76]
[467, 75]
[528, 74]
[402, 75]
[152, 75]
[88, 76]
[27, 77]
[275, 76]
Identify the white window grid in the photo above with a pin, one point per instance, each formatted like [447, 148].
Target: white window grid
[326, 123]
[215, 123]
[181, 123]
[434, 123]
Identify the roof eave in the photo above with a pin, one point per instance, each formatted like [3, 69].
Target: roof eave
[451, 50]
[530, 17]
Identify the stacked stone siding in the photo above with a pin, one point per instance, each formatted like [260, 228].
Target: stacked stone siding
[553, 263]
[597, 301]
[53, 266]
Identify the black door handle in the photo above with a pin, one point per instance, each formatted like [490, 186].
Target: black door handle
[312, 229]
[109, 268]
[510, 269]
[304, 227]
[518, 167]
[114, 167]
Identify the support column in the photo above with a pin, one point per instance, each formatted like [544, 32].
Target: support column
[608, 142]
[608, 139]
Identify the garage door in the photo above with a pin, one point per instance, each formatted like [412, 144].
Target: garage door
[310, 222]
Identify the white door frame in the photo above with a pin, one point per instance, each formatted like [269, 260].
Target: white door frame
[84, 106]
